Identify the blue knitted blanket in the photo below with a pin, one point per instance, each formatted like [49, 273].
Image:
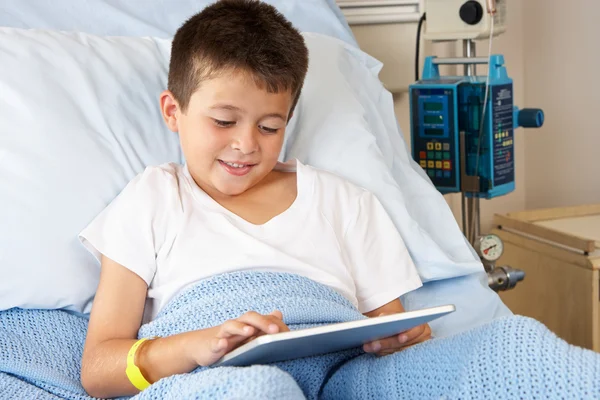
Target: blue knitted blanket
[513, 357]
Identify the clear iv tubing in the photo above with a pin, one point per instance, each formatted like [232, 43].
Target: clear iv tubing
[487, 88]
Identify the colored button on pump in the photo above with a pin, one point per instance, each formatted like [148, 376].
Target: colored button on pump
[423, 164]
[438, 155]
[438, 146]
[438, 174]
[430, 146]
[446, 146]
[422, 155]
[438, 164]
[447, 174]
[430, 164]
[446, 155]
[431, 173]
[447, 165]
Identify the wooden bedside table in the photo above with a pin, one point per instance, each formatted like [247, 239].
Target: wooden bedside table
[559, 250]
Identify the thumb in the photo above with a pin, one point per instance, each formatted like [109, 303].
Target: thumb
[218, 345]
[217, 349]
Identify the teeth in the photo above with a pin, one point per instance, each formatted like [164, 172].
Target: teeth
[234, 165]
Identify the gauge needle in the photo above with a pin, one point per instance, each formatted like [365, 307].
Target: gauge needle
[488, 249]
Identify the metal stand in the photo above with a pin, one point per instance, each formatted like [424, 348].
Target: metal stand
[504, 278]
[471, 222]
[499, 278]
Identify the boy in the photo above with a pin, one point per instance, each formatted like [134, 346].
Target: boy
[235, 76]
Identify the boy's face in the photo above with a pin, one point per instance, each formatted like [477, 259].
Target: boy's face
[231, 133]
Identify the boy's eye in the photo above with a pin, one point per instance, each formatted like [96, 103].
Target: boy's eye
[268, 130]
[223, 124]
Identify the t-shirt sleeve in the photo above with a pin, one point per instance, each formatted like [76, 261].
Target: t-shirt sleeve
[131, 229]
[379, 260]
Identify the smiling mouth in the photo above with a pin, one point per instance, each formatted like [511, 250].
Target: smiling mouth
[236, 168]
[237, 165]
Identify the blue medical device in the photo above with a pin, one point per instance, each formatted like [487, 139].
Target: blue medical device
[446, 117]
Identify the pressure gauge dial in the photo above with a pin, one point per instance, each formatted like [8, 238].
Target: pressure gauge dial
[490, 247]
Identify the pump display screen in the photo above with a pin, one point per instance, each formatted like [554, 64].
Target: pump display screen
[433, 119]
[434, 132]
[433, 106]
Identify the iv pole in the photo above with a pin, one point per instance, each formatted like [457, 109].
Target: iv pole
[471, 222]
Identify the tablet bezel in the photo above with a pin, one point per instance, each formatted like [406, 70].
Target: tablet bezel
[433, 312]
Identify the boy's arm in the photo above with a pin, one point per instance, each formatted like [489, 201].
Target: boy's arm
[114, 323]
[392, 344]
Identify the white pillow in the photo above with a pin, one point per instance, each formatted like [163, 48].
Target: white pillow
[79, 117]
[157, 18]
[347, 125]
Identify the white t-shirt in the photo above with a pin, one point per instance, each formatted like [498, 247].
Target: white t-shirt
[167, 230]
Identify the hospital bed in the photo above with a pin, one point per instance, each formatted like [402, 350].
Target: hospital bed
[79, 119]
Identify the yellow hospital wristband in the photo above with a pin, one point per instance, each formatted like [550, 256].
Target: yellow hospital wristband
[133, 372]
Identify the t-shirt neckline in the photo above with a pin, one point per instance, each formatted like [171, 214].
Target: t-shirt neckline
[299, 206]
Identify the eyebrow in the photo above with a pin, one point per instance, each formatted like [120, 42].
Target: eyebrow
[275, 115]
[234, 108]
[225, 107]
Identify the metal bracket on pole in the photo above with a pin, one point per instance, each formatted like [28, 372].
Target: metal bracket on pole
[469, 184]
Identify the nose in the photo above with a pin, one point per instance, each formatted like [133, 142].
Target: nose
[245, 140]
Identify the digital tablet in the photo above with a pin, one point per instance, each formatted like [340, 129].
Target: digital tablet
[329, 338]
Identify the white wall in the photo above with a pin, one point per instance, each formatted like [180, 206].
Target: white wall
[561, 60]
[394, 46]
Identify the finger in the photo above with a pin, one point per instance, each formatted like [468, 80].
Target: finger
[282, 328]
[279, 322]
[217, 348]
[426, 335]
[219, 345]
[236, 341]
[382, 345]
[264, 323]
[403, 348]
[370, 347]
[387, 352]
[230, 343]
[394, 343]
[232, 327]
[251, 338]
[277, 317]
[412, 334]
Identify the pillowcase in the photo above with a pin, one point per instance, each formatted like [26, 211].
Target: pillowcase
[79, 118]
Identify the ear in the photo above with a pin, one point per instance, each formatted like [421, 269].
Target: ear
[170, 110]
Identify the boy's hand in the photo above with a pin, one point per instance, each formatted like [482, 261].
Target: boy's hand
[392, 344]
[235, 332]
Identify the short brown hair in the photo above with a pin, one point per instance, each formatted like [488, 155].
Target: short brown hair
[237, 35]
